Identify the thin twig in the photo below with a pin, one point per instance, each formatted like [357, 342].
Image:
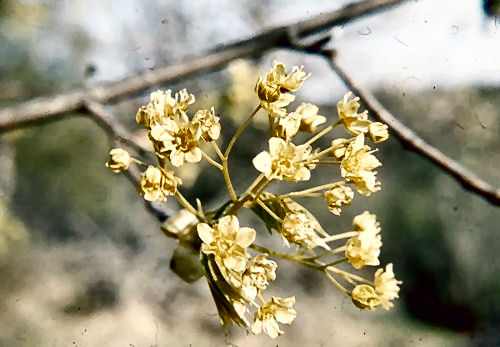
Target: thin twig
[211, 161]
[51, 107]
[108, 123]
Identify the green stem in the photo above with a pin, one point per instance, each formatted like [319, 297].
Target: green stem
[268, 210]
[341, 236]
[346, 274]
[217, 150]
[139, 162]
[182, 200]
[252, 189]
[320, 134]
[239, 131]
[309, 190]
[336, 283]
[211, 161]
[336, 262]
[291, 257]
[225, 158]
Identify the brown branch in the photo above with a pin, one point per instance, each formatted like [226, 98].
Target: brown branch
[411, 141]
[45, 108]
[107, 122]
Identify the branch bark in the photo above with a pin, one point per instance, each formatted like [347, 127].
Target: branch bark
[108, 123]
[47, 108]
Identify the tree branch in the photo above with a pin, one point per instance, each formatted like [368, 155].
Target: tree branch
[45, 108]
[107, 122]
[411, 141]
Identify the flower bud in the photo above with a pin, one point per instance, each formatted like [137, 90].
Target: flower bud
[119, 160]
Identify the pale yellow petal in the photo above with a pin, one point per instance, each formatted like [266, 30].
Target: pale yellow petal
[272, 328]
[177, 158]
[194, 155]
[205, 232]
[245, 237]
[263, 162]
[276, 146]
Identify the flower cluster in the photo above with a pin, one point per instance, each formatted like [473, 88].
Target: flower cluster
[243, 277]
[176, 139]
[274, 88]
[157, 184]
[238, 270]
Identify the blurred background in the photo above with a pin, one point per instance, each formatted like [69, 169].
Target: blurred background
[82, 263]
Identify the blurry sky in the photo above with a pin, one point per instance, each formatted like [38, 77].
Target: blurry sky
[418, 45]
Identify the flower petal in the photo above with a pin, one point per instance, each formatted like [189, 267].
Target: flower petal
[177, 158]
[228, 225]
[245, 237]
[194, 155]
[263, 162]
[276, 146]
[205, 232]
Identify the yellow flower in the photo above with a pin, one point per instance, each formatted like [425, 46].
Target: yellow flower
[378, 132]
[284, 161]
[365, 297]
[163, 106]
[274, 311]
[310, 119]
[277, 107]
[300, 229]
[364, 248]
[257, 276]
[386, 286]
[273, 89]
[157, 184]
[386, 289]
[287, 82]
[366, 222]
[288, 125]
[119, 160]
[267, 91]
[338, 196]
[339, 147]
[357, 165]
[209, 124]
[182, 101]
[227, 242]
[157, 110]
[354, 122]
[179, 139]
